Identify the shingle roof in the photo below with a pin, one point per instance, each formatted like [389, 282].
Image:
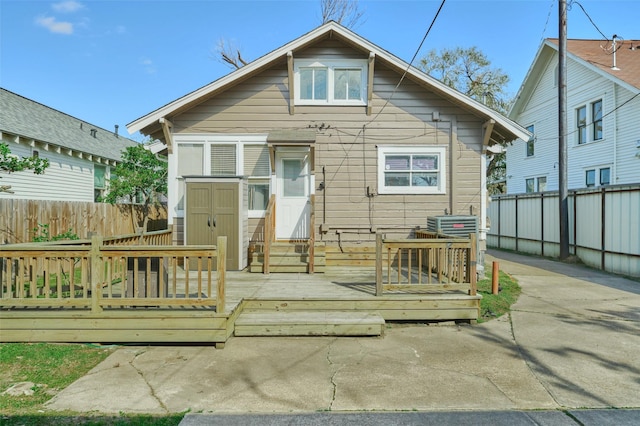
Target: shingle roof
[29, 119]
[599, 54]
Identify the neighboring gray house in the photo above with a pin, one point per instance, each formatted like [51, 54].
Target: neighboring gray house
[343, 137]
[80, 154]
[603, 117]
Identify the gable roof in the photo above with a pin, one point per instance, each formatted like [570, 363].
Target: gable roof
[31, 120]
[504, 129]
[595, 55]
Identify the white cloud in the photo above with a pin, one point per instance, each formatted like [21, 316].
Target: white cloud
[148, 66]
[55, 26]
[68, 6]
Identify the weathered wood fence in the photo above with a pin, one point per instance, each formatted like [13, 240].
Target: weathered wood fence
[604, 226]
[19, 218]
[429, 262]
[121, 272]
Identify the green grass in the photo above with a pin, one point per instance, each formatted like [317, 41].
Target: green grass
[52, 367]
[495, 305]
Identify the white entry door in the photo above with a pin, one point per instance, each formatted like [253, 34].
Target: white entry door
[293, 207]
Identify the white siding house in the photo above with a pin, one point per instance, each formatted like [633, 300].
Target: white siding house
[603, 118]
[80, 154]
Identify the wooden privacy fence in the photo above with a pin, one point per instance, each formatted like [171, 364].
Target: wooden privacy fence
[112, 273]
[19, 218]
[429, 262]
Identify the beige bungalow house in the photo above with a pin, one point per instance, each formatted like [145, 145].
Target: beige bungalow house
[322, 143]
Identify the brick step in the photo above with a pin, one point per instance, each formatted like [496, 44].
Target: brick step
[309, 323]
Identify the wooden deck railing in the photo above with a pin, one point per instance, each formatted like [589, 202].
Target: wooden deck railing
[312, 235]
[427, 263]
[102, 275]
[269, 228]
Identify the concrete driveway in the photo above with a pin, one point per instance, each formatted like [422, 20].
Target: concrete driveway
[572, 341]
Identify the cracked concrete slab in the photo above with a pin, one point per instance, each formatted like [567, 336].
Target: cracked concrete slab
[571, 341]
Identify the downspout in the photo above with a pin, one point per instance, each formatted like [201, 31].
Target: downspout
[487, 129]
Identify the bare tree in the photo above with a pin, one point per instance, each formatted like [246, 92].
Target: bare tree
[228, 53]
[344, 12]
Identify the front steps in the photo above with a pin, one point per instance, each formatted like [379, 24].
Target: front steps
[309, 323]
[288, 257]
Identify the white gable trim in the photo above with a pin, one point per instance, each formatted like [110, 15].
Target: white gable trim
[254, 66]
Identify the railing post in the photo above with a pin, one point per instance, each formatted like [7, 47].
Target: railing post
[222, 268]
[472, 265]
[378, 264]
[97, 273]
[312, 235]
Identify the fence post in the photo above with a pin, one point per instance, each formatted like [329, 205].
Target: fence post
[222, 268]
[97, 273]
[378, 264]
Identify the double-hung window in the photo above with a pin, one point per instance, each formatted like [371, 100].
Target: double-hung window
[589, 122]
[99, 182]
[581, 123]
[596, 118]
[411, 170]
[330, 82]
[258, 170]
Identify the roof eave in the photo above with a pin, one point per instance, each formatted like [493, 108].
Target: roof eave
[513, 130]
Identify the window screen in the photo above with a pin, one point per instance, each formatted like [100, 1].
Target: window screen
[256, 161]
[223, 160]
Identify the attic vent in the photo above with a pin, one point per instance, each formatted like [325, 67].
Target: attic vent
[93, 132]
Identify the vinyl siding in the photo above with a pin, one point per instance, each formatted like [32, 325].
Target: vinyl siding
[347, 150]
[615, 150]
[67, 178]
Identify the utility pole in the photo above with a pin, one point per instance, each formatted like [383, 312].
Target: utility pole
[562, 130]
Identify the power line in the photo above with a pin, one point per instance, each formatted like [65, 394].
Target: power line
[589, 17]
[433, 21]
[547, 23]
[603, 117]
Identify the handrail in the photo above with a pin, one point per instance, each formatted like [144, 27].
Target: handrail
[100, 275]
[431, 263]
[269, 227]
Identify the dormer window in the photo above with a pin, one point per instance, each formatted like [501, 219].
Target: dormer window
[331, 82]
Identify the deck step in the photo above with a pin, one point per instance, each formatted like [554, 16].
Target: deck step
[309, 323]
[288, 257]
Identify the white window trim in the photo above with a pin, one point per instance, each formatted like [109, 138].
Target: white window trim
[536, 183]
[588, 105]
[239, 140]
[597, 171]
[331, 65]
[423, 150]
[531, 140]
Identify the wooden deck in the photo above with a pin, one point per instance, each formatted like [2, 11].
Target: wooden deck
[118, 294]
[339, 302]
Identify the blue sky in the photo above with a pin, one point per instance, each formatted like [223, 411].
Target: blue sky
[110, 61]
